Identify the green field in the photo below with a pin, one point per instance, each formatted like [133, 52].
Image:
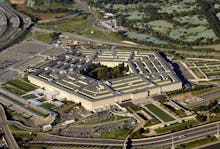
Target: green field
[75, 24]
[204, 90]
[161, 114]
[103, 34]
[19, 116]
[44, 37]
[54, 5]
[120, 133]
[14, 89]
[206, 140]
[177, 127]
[22, 85]
[14, 128]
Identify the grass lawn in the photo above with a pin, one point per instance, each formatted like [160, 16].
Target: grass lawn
[36, 111]
[150, 122]
[135, 108]
[181, 113]
[197, 143]
[53, 5]
[75, 24]
[120, 133]
[49, 105]
[204, 90]
[25, 135]
[22, 85]
[30, 96]
[177, 127]
[19, 116]
[106, 35]
[14, 128]
[197, 73]
[44, 37]
[161, 114]
[14, 89]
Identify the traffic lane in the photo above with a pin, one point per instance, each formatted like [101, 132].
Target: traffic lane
[158, 139]
[7, 133]
[190, 131]
[176, 136]
[168, 142]
[74, 143]
[81, 140]
[159, 142]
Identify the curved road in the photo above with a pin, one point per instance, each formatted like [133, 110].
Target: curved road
[12, 144]
[158, 141]
[100, 41]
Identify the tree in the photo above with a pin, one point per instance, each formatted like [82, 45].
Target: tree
[201, 118]
[55, 35]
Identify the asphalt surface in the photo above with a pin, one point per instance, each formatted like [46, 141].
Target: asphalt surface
[14, 20]
[157, 142]
[215, 146]
[12, 144]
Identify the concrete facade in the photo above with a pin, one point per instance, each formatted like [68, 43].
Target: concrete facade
[150, 76]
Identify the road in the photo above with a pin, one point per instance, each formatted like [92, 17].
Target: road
[179, 137]
[157, 142]
[100, 41]
[17, 27]
[12, 144]
[14, 19]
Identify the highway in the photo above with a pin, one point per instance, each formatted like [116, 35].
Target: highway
[12, 144]
[157, 141]
[15, 27]
[56, 140]
[14, 19]
[100, 41]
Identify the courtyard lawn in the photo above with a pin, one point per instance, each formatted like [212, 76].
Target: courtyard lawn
[161, 114]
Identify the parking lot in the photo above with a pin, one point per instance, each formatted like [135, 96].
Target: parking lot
[15, 60]
[98, 129]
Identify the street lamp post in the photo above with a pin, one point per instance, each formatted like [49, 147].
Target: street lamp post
[172, 146]
[217, 134]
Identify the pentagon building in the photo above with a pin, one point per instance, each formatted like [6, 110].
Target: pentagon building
[149, 75]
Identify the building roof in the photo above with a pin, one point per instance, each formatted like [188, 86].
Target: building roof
[149, 70]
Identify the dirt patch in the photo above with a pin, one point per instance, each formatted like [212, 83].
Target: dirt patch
[18, 2]
[182, 97]
[186, 98]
